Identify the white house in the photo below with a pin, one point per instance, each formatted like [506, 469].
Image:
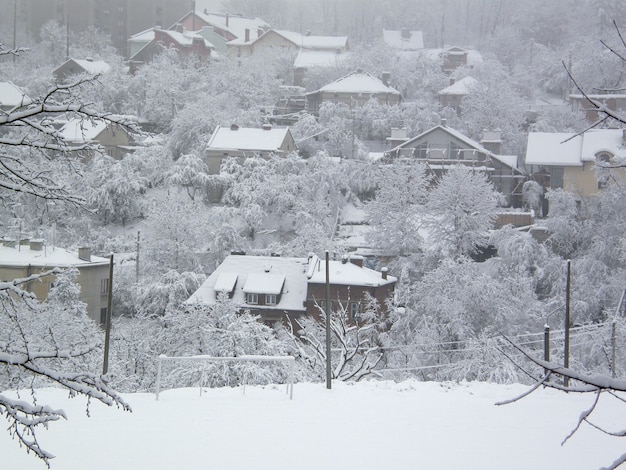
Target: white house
[12, 97]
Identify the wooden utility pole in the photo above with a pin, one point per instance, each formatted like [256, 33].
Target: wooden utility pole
[137, 258]
[567, 321]
[328, 365]
[107, 323]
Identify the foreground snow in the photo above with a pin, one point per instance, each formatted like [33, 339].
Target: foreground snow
[373, 425]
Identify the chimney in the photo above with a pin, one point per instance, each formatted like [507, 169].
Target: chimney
[89, 59]
[384, 272]
[357, 260]
[267, 127]
[247, 35]
[307, 32]
[259, 32]
[36, 244]
[405, 33]
[492, 140]
[234, 127]
[179, 28]
[452, 81]
[386, 77]
[84, 253]
[624, 136]
[444, 122]
[227, 20]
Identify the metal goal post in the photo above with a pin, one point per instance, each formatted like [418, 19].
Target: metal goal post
[250, 358]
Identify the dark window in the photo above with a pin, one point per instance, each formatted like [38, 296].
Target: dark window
[270, 299]
[103, 315]
[104, 286]
[252, 298]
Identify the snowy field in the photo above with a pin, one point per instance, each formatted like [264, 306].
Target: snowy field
[373, 425]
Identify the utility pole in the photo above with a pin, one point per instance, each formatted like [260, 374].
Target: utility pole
[567, 321]
[328, 374]
[137, 259]
[14, 29]
[107, 324]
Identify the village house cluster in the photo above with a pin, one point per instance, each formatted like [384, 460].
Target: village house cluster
[275, 286]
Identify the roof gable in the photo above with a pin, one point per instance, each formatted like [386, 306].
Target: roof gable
[82, 130]
[460, 87]
[11, 96]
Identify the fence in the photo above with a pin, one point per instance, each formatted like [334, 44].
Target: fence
[206, 359]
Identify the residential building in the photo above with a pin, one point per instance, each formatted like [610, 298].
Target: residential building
[73, 68]
[453, 57]
[313, 59]
[404, 39]
[288, 41]
[613, 101]
[147, 44]
[21, 259]
[242, 142]
[277, 288]
[452, 96]
[12, 97]
[442, 147]
[115, 139]
[227, 25]
[569, 161]
[354, 89]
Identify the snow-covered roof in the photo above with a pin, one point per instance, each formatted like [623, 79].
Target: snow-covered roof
[345, 273]
[48, 257]
[264, 283]
[260, 275]
[234, 24]
[474, 57]
[358, 82]
[144, 36]
[309, 58]
[568, 149]
[314, 42]
[404, 39]
[248, 139]
[82, 130]
[460, 87]
[93, 67]
[186, 38]
[11, 96]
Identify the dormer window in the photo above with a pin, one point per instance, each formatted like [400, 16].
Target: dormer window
[270, 299]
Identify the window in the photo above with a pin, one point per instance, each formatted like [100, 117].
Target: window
[103, 315]
[270, 299]
[557, 177]
[252, 298]
[456, 153]
[104, 286]
[355, 310]
[322, 305]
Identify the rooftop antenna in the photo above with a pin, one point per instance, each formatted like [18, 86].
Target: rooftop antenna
[67, 38]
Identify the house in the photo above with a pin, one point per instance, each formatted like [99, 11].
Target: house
[227, 25]
[404, 39]
[152, 42]
[453, 57]
[12, 97]
[354, 89]
[277, 288]
[452, 96]
[568, 160]
[313, 59]
[442, 147]
[114, 138]
[613, 101]
[21, 259]
[242, 142]
[285, 41]
[76, 67]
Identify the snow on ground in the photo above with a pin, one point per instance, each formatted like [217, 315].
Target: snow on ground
[370, 425]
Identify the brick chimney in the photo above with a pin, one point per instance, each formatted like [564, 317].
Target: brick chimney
[384, 272]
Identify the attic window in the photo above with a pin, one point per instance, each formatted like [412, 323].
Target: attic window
[604, 157]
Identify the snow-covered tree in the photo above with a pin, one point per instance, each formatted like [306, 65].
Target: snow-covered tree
[38, 348]
[396, 213]
[461, 209]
